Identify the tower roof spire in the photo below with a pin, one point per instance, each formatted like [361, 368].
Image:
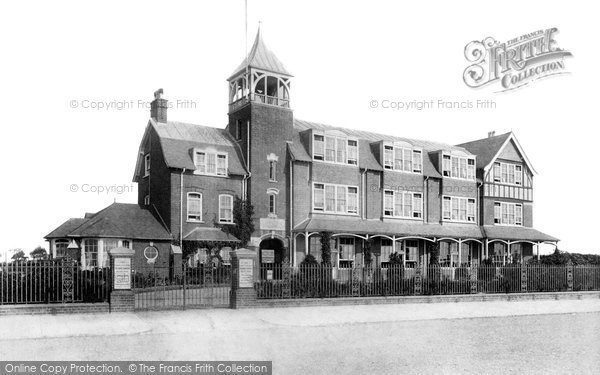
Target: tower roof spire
[260, 57]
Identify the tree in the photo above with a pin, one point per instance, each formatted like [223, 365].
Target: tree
[18, 255]
[325, 248]
[243, 219]
[39, 253]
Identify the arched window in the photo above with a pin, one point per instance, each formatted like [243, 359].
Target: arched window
[194, 207]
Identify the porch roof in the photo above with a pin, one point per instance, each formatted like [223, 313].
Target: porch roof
[516, 233]
[391, 228]
[209, 234]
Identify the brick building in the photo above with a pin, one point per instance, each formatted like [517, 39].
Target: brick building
[469, 202]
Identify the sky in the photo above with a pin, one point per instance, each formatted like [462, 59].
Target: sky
[77, 78]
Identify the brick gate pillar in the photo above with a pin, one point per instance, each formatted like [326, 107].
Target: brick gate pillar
[244, 273]
[121, 295]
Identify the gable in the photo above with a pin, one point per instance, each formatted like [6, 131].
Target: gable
[511, 153]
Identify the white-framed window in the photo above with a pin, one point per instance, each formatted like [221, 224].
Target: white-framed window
[60, 248]
[146, 165]
[211, 163]
[337, 199]
[272, 170]
[402, 159]
[225, 208]
[460, 167]
[506, 213]
[508, 173]
[90, 251]
[194, 207]
[346, 248]
[386, 250]
[458, 209]
[334, 149]
[403, 204]
[411, 250]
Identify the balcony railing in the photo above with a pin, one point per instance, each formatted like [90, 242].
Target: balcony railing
[260, 98]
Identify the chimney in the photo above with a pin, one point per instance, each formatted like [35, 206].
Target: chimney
[490, 134]
[158, 107]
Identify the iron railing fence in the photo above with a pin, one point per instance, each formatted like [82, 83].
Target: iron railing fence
[52, 281]
[319, 281]
[206, 285]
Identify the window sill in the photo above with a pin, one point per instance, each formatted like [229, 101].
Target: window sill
[405, 172]
[335, 163]
[334, 213]
[195, 221]
[403, 218]
[210, 174]
[226, 222]
[460, 179]
[458, 222]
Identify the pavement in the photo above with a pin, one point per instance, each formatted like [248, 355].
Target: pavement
[556, 336]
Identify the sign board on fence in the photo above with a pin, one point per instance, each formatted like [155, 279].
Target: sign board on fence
[246, 273]
[122, 273]
[269, 274]
[268, 255]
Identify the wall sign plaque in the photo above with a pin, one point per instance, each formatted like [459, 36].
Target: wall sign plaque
[122, 273]
[246, 273]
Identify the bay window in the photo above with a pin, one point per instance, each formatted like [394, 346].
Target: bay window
[402, 204]
[458, 209]
[339, 199]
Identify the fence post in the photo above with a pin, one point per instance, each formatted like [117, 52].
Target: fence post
[473, 279]
[287, 279]
[184, 267]
[570, 276]
[524, 278]
[418, 280]
[355, 282]
[243, 267]
[121, 296]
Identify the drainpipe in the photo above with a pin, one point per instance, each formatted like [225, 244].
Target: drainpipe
[363, 204]
[291, 199]
[425, 199]
[181, 209]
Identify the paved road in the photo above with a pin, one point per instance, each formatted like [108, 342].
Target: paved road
[542, 337]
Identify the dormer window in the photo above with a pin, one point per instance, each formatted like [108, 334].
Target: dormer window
[146, 165]
[403, 159]
[211, 163]
[335, 149]
[459, 167]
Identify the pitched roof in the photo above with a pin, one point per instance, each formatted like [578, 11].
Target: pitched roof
[390, 228]
[119, 220]
[66, 228]
[486, 148]
[178, 139]
[516, 233]
[261, 57]
[367, 159]
[209, 234]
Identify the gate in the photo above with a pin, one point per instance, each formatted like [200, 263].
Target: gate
[204, 286]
